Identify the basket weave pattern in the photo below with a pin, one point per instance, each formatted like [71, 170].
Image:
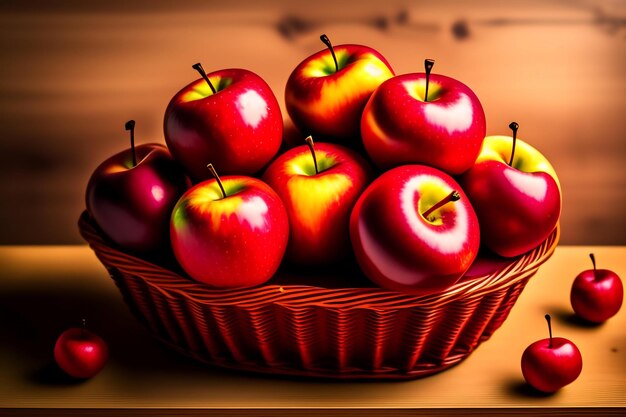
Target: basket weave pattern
[353, 333]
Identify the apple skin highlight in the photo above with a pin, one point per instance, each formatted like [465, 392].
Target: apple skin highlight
[328, 104]
[518, 206]
[319, 205]
[550, 364]
[401, 250]
[398, 127]
[80, 353]
[230, 242]
[132, 204]
[239, 128]
[597, 294]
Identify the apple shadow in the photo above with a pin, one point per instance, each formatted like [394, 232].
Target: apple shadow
[345, 274]
[570, 318]
[33, 318]
[517, 387]
[51, 374]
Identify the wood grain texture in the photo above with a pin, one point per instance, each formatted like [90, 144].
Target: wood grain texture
[322, 412]
[43, 290]
[73, 72]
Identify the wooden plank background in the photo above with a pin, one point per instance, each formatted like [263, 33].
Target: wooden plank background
[73, 72]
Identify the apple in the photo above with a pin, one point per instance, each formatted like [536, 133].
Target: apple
[131, 195]
[326, 93]
[230, 116]
[550, 364]
[319, 186]
[230, 232]
[423, 119]
[414, 230]
[597, 294]
[80, 353]
[515, 193]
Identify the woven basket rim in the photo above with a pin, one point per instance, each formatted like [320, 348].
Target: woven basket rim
[172, 285]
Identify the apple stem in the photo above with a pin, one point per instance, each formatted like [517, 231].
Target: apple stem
[309, 141]
[217, 178]
[83, 327]
[513, 126]
[593, 261]
[130, 125]
[453, 196]
[428, 65]
[549, 320]
[326, 41]
[198, 67]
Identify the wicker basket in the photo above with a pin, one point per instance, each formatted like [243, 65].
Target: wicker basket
[289, 328]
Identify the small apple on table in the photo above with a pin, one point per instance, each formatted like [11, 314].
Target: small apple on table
[80, 352]
[550, 364]
[597, 294]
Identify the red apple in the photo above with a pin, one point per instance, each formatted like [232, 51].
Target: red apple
[230, 232]
[550, 364]
[319, 187]
[597, 294]
[445, 131]
[80, 353]
[131, 195]
[326, 93]
[410, 234]
[230, 116]
[517, 200]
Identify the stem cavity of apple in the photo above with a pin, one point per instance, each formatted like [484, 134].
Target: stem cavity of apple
[211, 168]
[309, 142]
[549, 320]
[198, 67]
[326, 42]
[595, 271]
[453, 196]
[428, 66]
[130, 125]
[513, 126]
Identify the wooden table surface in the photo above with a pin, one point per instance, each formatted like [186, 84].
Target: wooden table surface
[45, 289]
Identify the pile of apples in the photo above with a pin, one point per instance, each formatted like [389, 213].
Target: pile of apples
[394, 169]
